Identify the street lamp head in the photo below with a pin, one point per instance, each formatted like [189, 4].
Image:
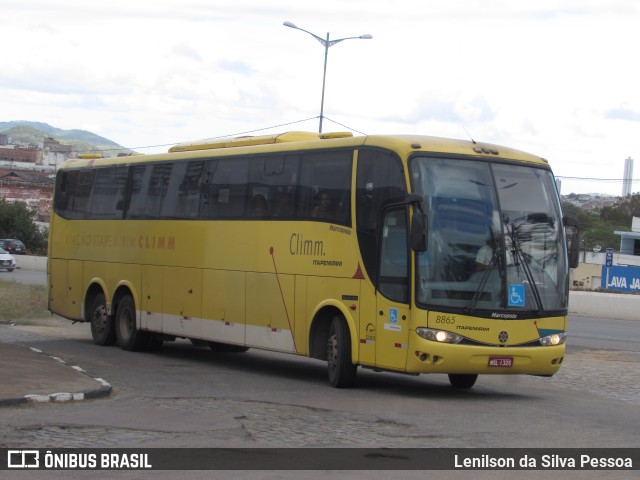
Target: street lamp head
[326, 43]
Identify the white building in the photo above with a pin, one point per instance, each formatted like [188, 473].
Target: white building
[627, 183]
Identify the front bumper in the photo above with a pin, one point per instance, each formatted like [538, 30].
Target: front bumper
[426, 356]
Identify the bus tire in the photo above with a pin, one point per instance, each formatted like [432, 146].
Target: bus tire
[127, 334]
[462, 381]
[342, 373]
[102, 327]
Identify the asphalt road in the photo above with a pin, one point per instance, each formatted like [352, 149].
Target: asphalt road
[25, 276]
[603, 334]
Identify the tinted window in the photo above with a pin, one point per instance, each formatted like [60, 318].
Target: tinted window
[394, 252]
[380, 181]
[107, 195]
[325, 184]
[226, 192]
[73, 192]
[273, 187]
[182, 198]
[315, 185]
[149, 184]
[138, 184]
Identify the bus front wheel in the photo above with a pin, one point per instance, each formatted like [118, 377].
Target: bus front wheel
[459, 380]
[342, 373]
[127, 334]
[102, 328]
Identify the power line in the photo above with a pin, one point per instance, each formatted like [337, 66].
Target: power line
[210, 138]
[223, 136]
[599, 179]
[560, 177]
[348, 128]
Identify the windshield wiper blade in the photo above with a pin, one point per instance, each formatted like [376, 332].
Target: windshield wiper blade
[477, 295]
[496, 254]
[518, 256]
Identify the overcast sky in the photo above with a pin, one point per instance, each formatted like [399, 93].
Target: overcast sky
[557, 78]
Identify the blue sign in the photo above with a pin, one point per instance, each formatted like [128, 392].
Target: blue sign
[626, 279]
[393, 315]
[609, 258]
[516, 296]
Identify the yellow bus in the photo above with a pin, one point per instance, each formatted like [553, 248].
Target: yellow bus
[410, 254]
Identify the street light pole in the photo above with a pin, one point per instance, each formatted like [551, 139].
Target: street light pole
[326, 43]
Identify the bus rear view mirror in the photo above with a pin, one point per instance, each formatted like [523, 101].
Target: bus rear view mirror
[572, 230]
[418, 235]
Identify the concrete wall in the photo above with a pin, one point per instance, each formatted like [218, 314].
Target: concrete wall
[605, 305]
[27, 262]
[586, 304]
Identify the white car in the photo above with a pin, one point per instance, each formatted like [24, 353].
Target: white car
[7, 262]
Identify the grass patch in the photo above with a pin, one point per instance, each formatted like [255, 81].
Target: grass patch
[21, 303]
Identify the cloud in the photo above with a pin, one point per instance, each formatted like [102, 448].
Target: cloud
[623, 114]
[184, 50]
[69, 79]
[453, 111]
[235, 66]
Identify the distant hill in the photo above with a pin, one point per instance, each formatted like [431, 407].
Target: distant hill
[82, 140]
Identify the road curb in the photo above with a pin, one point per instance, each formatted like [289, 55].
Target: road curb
[103, 388]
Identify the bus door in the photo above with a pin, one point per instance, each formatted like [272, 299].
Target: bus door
[392, 293]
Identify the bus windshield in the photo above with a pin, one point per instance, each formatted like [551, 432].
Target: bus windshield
[495, 238]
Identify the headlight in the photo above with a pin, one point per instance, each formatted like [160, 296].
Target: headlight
[440, 336]
[553, 339]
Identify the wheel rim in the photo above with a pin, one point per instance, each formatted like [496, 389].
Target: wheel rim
[99, 319]
[126, 322]
[332, 352]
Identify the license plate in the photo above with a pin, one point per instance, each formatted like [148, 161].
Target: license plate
[503, 362]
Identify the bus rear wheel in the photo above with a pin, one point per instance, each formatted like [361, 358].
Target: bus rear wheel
[127, 333]
[342, 373]
[102, 328]
[459, 380]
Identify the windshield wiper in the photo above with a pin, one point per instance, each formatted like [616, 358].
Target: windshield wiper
[519, 259]
[496, 254]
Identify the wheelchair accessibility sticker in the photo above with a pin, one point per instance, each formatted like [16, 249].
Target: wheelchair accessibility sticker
[393, 324]
[516, 296]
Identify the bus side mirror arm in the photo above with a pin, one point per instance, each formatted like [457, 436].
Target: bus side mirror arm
[572, 230]
[419, 229]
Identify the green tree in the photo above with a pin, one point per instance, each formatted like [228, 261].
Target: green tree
[623, 211]
[598, 228]
[16, 221]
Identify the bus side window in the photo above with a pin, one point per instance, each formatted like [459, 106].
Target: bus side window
[107, 196]
[205, 208]
[156, 189]
[137, 190]
[227, 198]
[183, 194]
[394, 256]
[325, 185]
[380, 181]
[272, 187]
[79, 186]
[61, 199]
